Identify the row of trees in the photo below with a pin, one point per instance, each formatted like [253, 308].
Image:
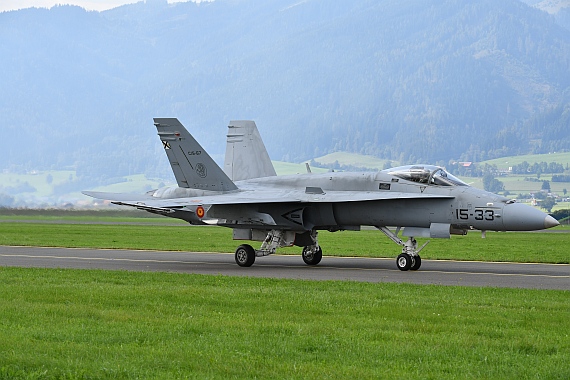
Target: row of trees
[561, 178]
[539, 168]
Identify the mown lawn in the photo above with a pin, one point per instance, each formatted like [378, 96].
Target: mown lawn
[125, 325]
[540, 247]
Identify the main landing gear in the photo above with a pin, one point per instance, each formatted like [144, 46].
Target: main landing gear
[312, 254]
[245, 255]
[409, 259]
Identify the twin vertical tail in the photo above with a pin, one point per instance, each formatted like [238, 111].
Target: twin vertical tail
[246, 156]
[192, 166]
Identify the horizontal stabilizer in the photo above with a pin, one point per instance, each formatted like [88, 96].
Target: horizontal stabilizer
[119, 197]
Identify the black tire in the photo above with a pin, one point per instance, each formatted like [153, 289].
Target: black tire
[404, 261]
[312, 258]
[245, 255]
[417, 263]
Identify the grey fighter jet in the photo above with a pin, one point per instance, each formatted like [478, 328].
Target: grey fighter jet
[279, 211]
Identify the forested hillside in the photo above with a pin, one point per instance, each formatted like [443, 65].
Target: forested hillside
[411, 81]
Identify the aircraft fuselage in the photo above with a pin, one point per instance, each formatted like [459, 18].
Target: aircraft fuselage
[414, 204]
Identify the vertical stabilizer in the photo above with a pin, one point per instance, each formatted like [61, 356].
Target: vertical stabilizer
[192, 166]
[246, 156]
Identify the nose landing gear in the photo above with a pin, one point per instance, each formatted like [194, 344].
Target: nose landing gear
[409, 259]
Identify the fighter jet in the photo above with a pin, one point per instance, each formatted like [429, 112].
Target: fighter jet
[279, 211]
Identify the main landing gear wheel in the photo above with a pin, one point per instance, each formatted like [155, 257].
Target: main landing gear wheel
[245, 255]
[312, 256]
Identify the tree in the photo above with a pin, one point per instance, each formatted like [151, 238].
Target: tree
[546, 185]
[490, 183]
[560, 214]
[547, 204]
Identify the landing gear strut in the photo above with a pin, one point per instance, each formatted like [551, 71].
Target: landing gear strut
[409, 259]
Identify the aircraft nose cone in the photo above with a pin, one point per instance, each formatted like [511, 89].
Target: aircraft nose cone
[520, 217]
[550, 222]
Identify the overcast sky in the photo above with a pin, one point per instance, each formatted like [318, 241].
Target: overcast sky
[96, 5]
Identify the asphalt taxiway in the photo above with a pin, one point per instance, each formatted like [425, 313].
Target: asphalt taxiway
[463, 273]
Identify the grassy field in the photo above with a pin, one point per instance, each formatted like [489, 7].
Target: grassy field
[505, 162]
[78, 324]
[517, 184]
[38, 180]
[544, 247]
[87, 324]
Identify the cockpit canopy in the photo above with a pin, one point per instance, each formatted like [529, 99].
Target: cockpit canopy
[428, 174]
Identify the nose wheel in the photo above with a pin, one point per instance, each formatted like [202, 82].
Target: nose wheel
[404, 261]
[408, 262]
[416, 262]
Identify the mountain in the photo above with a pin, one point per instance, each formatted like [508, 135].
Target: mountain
[410, 81]
[559, 8]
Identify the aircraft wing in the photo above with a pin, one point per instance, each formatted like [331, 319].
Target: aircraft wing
[260, 197]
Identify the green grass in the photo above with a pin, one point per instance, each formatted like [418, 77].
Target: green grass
[505, 162]
[516, 183]
[520, 247]
[125, 325]
[38, 180]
